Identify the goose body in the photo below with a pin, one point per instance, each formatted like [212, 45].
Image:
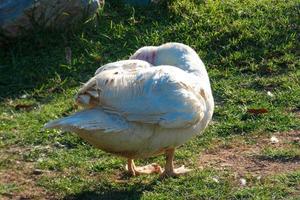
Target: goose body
[144, 106]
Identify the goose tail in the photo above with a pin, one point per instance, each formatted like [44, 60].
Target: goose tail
[89, 120]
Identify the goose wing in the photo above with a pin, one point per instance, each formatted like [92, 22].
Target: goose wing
[139, 92]
[90, 120]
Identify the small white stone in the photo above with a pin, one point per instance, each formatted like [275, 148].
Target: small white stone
[24, 96]
[274, 140]
[243, 182]
[215, 179]
[270, 94]
[59, 145]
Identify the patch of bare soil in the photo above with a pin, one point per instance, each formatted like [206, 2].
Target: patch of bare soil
[297, 112]
[21, 174]
[243, 158]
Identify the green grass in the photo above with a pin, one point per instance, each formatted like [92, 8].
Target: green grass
[8, 188]
[249, 48]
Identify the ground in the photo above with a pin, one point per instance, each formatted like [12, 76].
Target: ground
[249, 151]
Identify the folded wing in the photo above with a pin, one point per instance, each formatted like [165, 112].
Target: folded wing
[141, 93]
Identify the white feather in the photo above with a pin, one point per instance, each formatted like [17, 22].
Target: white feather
[146, 105]
[90, 120]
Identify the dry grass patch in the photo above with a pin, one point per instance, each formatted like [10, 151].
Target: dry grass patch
[21, 175]
[248, 158]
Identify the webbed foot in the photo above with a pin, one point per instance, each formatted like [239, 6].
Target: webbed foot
[147, 169]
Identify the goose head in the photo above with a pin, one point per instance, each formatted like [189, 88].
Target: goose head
[174, 54]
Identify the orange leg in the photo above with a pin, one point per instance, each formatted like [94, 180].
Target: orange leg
[170, 171]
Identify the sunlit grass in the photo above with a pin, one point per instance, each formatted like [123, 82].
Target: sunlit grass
[249, 47]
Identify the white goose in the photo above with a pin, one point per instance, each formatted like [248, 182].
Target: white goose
[144, 106]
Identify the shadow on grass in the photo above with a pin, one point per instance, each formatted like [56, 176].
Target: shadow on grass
[37, 62]
[131, 192]
[283, 158]
[244, 44]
